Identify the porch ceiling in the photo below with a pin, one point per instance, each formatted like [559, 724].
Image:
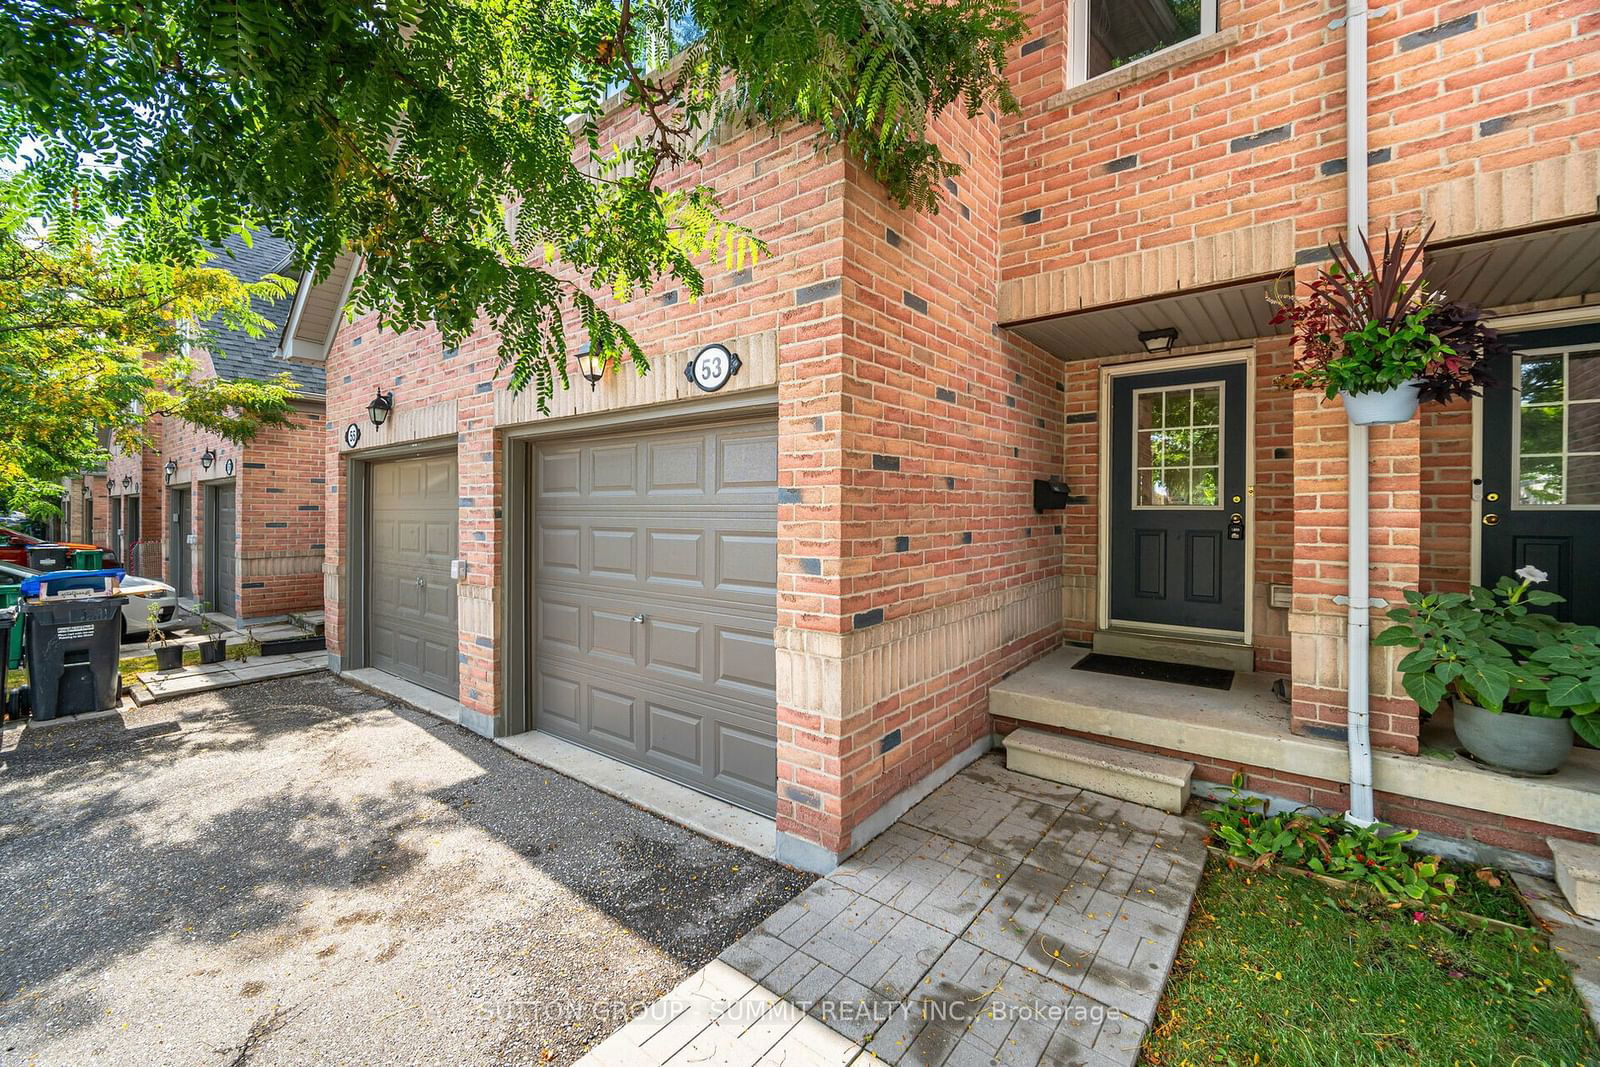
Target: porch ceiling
[1237, 312]
[1517, 270]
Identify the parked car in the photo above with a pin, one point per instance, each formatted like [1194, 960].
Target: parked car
[140, 591]
[14, 547]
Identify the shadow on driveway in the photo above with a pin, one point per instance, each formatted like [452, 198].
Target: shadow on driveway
[295, 871]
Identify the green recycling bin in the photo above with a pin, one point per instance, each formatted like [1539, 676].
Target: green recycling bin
[88, 559]
[9, 595]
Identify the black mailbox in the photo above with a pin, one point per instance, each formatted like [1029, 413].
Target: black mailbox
[1050, 494]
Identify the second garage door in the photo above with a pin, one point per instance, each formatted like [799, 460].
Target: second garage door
[655, 585]
[411, 598]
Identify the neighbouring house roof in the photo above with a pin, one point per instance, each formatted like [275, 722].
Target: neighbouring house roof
[234, 353]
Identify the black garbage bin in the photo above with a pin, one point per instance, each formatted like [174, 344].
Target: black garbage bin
[73, 651]
[49, 557]
[8, 619]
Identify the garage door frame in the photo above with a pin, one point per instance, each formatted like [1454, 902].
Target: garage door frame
[517, 697]
[353, 582]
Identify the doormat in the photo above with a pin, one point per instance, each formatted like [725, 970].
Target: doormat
[1151, 670]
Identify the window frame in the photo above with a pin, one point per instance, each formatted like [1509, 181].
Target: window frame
[1514, 491]
[1078, 41]
[1222, 433]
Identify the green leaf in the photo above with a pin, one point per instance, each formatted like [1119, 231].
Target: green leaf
[1426, 689]
[1566, 692]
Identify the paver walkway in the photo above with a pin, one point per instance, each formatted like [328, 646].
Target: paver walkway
[194, 678]
[1005, 920]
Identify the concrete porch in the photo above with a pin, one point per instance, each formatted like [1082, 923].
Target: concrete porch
[1247, 727]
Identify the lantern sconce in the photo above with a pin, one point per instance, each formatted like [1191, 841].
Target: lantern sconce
[127, 480]
[380, 407]
[591, 366]
[170, 469]
[1159, 341]
[207, 458]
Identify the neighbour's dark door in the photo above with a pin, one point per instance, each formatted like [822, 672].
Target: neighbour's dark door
[178, 550]
[1177, 498]
[1541, 466]
[222, 555]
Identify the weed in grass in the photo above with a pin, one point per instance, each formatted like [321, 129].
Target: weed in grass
[1279, 970]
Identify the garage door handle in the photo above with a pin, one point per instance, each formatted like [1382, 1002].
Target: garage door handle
[422, 583]
[639, 617]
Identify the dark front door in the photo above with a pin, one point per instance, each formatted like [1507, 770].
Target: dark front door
[222, 555]
[1177, 498]
[1541, 466]
[178, 548]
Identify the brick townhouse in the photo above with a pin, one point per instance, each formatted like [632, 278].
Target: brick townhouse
[817, 590]
[238, 527]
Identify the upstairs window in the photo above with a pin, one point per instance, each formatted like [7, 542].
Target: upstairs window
[1109, 34]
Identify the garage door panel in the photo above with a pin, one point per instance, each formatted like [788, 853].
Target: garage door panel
[614, 636]
[614, 470]
[676, 557]
[747, 462]
[744, 757]
[746, 660]
[676, 467]
[674, 735]
[559, 701]
[559, 548]
[411, 599]
[747, 562]
[613, 551]
[679, 527]
[612, 715]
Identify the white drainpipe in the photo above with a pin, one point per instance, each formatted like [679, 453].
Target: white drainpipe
[1359, 632]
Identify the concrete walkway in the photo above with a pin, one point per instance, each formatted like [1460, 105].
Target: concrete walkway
[156, 686]
[1004, 920]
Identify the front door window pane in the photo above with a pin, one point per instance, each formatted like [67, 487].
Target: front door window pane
[1558, 440]
[1121, 32]
[1178, 447]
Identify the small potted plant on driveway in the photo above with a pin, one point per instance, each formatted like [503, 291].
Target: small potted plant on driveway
[1520, 682]
[212, 649]
[1381, 339]
[169, 657]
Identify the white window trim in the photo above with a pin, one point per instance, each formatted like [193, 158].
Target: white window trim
[1078, 40]
[1515, 494]
[1222, 433]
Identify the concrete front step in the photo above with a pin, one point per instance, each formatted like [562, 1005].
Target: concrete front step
[1140, 777]
[1578, 874]
[1167, 648]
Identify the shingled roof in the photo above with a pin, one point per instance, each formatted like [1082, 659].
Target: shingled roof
[235, 354]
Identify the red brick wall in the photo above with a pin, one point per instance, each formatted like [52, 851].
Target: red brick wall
[1456, 88]
[1447, 497]
[282, 491]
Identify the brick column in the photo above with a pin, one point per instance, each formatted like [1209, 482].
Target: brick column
[1321, 540]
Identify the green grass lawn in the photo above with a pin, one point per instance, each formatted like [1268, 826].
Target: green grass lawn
[1276, 969]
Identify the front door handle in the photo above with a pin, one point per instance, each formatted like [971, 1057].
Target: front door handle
[1491, 519]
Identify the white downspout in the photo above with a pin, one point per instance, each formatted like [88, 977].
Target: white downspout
[1358, 635]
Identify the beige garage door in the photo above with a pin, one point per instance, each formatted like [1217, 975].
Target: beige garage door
[655, 584]
[411, 598]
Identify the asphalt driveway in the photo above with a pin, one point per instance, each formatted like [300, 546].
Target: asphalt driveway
[299, 872]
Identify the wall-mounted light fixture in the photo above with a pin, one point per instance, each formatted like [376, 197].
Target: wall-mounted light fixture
[127, 480]
[1158, 341]
[207, 458]
[170, 469]
[591, 366]
[380, 407]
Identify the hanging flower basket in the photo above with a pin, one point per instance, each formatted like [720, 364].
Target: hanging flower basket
[1383, 339]
[1385, 407]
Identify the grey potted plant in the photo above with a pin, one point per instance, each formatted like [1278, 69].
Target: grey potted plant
[1382, 340]
[1521, 682]
[212, 649]
[169, 657]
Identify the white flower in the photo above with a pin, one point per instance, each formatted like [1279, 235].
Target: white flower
[1533, 574]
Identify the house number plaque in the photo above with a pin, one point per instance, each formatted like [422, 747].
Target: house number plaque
[711, 367]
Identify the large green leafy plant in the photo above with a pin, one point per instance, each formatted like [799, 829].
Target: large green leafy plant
[508, 163]
[1374, 857]
[1488, 648]
[1360, 330]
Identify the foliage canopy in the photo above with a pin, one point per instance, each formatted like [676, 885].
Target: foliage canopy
[405, 129]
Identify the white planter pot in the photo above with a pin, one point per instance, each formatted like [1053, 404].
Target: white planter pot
[1382, 409]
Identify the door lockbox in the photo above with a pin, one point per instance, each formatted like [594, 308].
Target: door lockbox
[1236, 527]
